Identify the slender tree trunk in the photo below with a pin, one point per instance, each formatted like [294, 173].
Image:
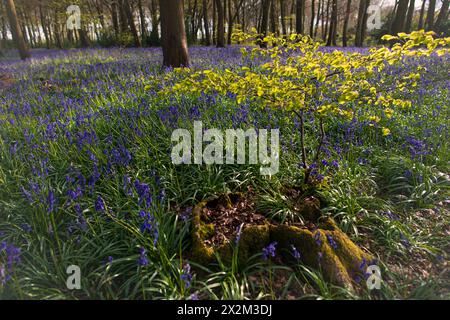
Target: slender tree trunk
[264, 21]
[400, 16]
[15, 29]
[230, 22]
[300, 16]
[316, 28]
[274, 17]
[443, 15]
[422, 14]
[327, 20]
[154, 34]
[346, 19]
[409, 16]
[362, 23]
[130, 19]
[206, 23]
[283, 16]
[44, 27]
[115, 18]
[173, 32]
[333, 25]
[429, 23]
[142, 20]
[220, 24]
[311, 26]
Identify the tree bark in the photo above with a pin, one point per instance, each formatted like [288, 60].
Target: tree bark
[346, 19]
[409, 16]
[429, 23]
[422, 14]
[130, 19]
[15, 29]
[283, 17]
[173, 34]
[206, 23]
[362, 22]
[311, 26]
[443, 15]
[333, 25]
[142, 20]
[398, 24]
[220, 24]
[300, 16]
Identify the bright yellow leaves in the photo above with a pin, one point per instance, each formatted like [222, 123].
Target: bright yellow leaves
[294, 73]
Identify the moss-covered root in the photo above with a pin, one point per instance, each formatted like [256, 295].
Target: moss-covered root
[327, 248]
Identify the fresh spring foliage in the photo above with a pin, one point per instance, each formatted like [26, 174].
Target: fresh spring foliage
[301, 78]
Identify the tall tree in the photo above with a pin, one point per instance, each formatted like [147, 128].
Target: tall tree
[346, 19]
[332, 34]
[422, 14]
[311, 26]
[15, 29]
[400, 15]
[173, 33]
[206, 23]
[283, 16]
[154, 34]
[264, 20]
[409, 16]
[130, 19]
[362, 22]
[300, 16]
[220, 24]
[429, 23]
[443, 15]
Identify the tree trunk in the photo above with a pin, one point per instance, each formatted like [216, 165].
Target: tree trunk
[264, 22]
[399, 20]
[362, 23]
[154, 34]
[443, 14]
[283, 16]
[422, 14]
[316, 28]
[346, 19]
[220, 24]
[44, 27]
[429, 23]
[206, 23]
[142, 20]
[15, 30]
[274, 17]
[409, 16]
[173, 33]
[311, 26]
[300, 16]
[130, 19]
[115, 18]
[333, 25]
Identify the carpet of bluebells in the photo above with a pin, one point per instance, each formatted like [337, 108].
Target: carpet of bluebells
[86, 179]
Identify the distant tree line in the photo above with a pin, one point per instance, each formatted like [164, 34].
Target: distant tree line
[175, 23]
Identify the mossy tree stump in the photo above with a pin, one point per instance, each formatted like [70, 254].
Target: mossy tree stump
[326, 248]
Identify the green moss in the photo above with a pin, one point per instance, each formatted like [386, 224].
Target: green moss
[339, 265]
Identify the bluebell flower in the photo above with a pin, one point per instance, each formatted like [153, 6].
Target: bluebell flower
[269, 251]
[26, 227]
[331, 241]
[99, 204]
[143, 260]
[51, 201]
[317, 238]
[295, 252]
[150, 225]
[186, 275]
